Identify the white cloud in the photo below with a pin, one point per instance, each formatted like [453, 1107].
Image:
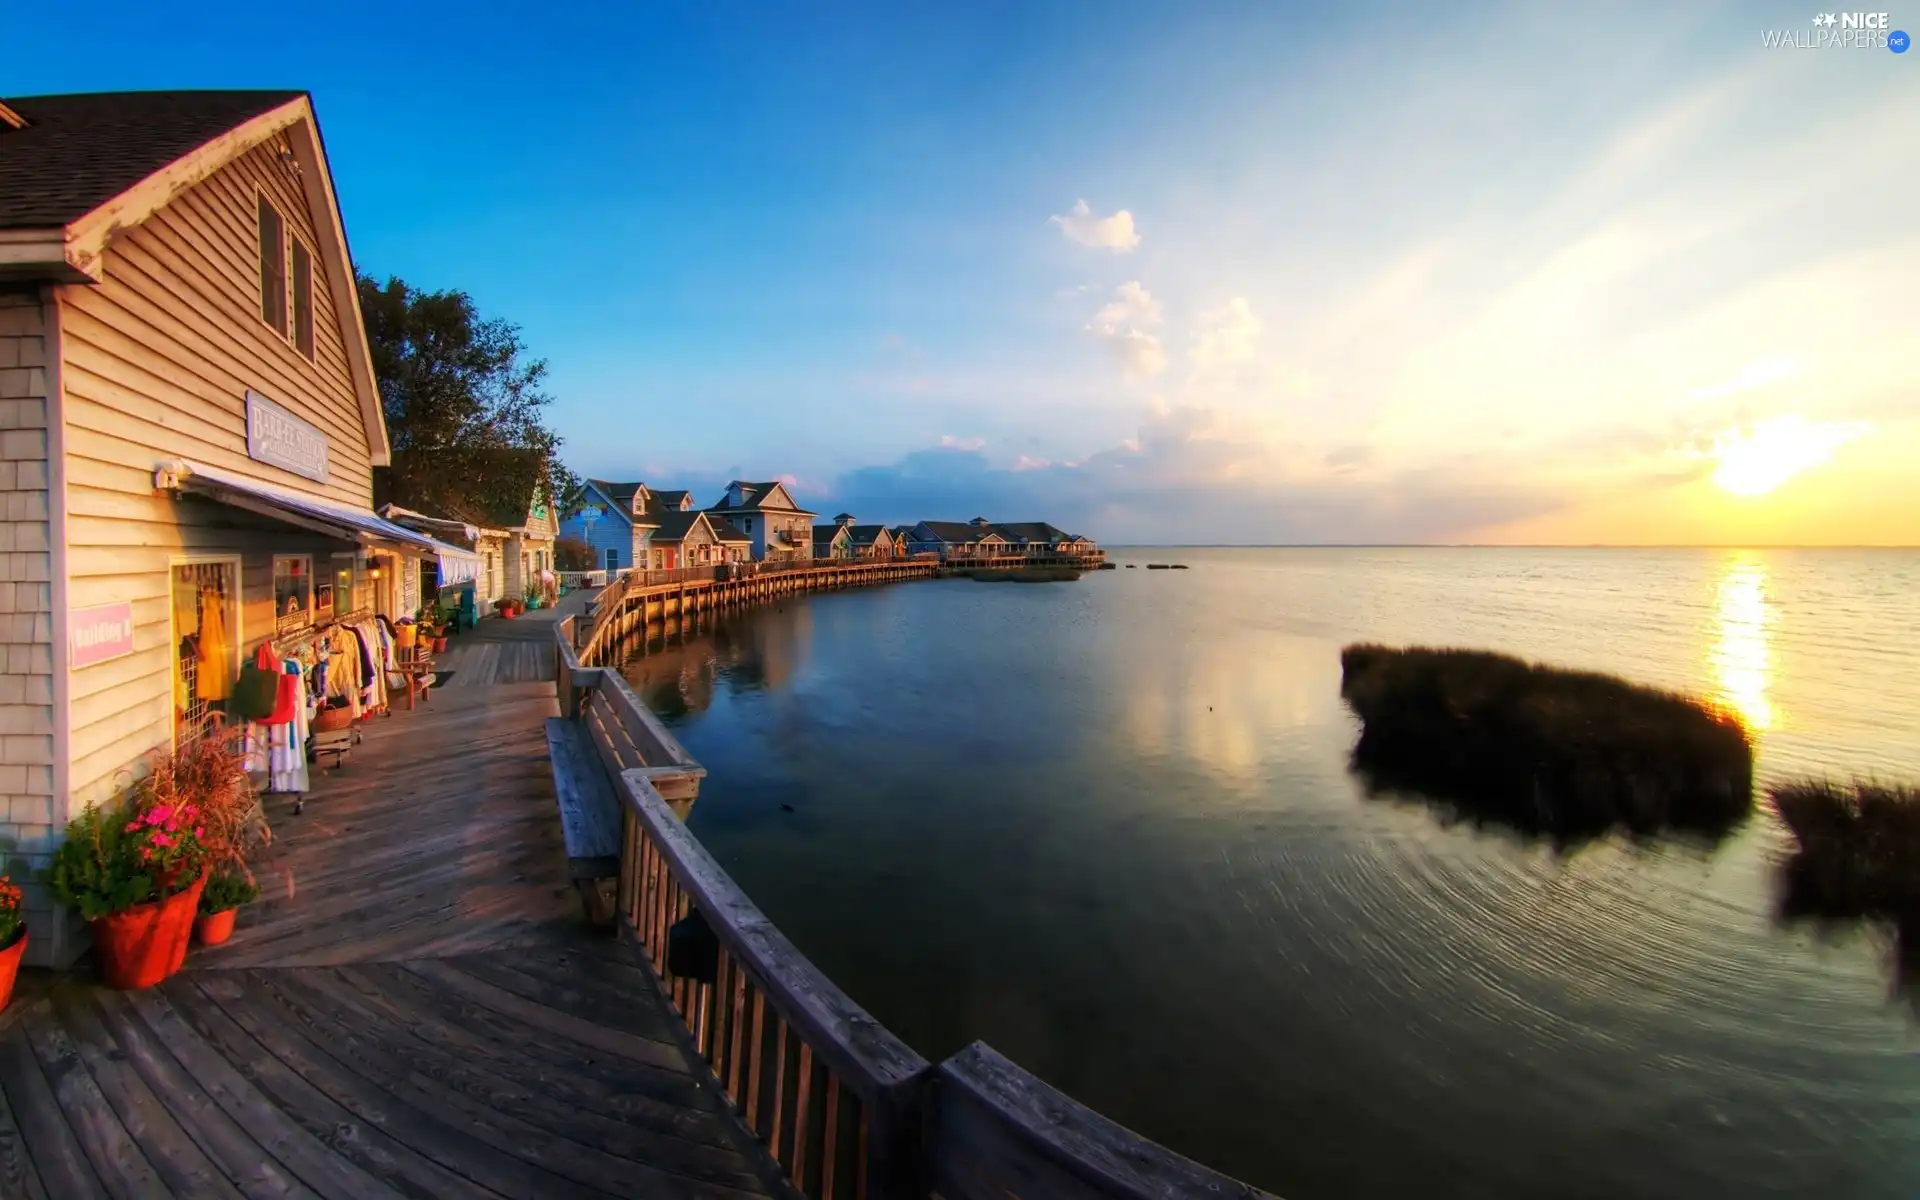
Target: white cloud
[1132, 305]
[1755, 374]
[1115, 233]
[1141, 354]
[1119, 324]
[959, 443]
[1226, 335]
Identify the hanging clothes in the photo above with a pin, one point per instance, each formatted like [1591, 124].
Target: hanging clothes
[287, 744]
[187, 652]
[213, 678]
[343, 668]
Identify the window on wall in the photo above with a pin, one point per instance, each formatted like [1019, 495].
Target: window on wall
[343, 584]
[292, 590]
[613, 558]
[302, 299]
[273, 268]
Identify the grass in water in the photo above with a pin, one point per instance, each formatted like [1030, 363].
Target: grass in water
[1571, 754]
[1025, 575]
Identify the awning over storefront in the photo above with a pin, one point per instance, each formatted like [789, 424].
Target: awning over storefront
[457, 566]
[307, 512]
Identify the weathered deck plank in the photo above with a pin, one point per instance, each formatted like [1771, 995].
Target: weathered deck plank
[413, 1009]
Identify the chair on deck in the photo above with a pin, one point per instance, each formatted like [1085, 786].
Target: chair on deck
[466, 616]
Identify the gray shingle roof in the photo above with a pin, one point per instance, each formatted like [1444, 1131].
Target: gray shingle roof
[956, 531]
[751, 500]
[1032, 531]
[79, 151]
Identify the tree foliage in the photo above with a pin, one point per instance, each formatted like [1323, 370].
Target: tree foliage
[464, 406]
[573, 554]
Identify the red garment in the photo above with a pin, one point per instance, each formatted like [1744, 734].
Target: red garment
[286, 695]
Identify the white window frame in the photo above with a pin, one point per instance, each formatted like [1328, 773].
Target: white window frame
[280, 622]
[293, 308]
[238, 633]
[260, 200]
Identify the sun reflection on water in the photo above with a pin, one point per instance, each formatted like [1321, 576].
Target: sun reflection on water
[1740, 654]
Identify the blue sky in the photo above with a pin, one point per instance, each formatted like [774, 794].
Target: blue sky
[1508, 273]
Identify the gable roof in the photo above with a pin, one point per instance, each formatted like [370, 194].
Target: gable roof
[675, 501]
[726, 530]
[619, 498]
[1032, 531]
[676, 526]
[956, 531]
[77, 152]
[753, 498]
[867, 535]
[84, 167]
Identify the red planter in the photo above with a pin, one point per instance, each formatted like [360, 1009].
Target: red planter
[214, 928]
[439, 645]
[142, 946]
[10, 967]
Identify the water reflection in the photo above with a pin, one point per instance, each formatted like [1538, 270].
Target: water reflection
[1740, 657]
[679, 665]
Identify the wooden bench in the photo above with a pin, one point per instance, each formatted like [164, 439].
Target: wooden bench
[589, 816]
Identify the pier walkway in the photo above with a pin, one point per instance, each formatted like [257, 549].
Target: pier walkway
[412, 1009]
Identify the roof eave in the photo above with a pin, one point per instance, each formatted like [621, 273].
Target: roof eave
[40, 254]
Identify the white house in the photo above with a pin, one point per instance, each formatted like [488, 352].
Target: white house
[781, 530]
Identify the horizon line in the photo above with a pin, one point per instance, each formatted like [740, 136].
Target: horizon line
[1504, 546]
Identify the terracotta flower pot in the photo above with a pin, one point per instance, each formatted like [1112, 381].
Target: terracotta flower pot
[215, 928]
[143, 945]
[10, 967]
[440, 645]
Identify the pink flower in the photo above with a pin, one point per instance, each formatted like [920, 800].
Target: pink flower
[158, 813]
[162, 840]
[199, 831]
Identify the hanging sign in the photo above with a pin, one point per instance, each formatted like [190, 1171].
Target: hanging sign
[95, 635]
[278, 438]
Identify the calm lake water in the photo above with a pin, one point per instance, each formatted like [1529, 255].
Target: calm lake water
[1109, 828]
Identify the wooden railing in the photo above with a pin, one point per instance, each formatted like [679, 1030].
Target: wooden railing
[833, 1095]
[844, 1106]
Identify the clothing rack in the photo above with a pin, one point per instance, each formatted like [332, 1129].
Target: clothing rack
[298, 639]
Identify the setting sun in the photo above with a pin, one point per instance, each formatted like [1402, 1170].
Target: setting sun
[1760, 460]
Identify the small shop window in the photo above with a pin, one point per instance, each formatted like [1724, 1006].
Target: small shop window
[293, 599]
[206, 632]
[302, 299]
[273, 268]
[344, 581]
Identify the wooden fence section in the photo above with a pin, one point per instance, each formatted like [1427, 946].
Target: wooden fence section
[844, 1106]
[625, 606]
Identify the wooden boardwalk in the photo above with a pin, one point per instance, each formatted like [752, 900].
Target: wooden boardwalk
[412, 1010]
[503, 651]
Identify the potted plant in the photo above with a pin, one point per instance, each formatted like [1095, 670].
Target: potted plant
[228, 887]
[134, 871]
[13, 937]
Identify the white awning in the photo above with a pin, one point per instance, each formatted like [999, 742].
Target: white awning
[294, 508]
[457, 566]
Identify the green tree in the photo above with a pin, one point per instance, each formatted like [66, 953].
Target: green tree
[464, 406]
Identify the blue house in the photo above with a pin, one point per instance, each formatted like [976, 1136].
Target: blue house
[617, 520]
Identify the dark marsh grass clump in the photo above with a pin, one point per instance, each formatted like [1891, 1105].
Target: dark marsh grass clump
[1571, 754]
[1858, 852]
[1025, 575]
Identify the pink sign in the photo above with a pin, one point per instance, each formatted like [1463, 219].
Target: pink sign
[95, 635]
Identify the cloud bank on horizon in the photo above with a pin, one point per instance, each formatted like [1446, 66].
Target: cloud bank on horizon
[1466, 286]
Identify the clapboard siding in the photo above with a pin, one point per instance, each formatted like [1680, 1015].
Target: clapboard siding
[158, 360]
[30, 807]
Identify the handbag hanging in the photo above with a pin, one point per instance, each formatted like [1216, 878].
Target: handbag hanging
[257, 692]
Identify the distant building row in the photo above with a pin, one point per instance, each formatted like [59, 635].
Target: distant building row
[631, 525]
